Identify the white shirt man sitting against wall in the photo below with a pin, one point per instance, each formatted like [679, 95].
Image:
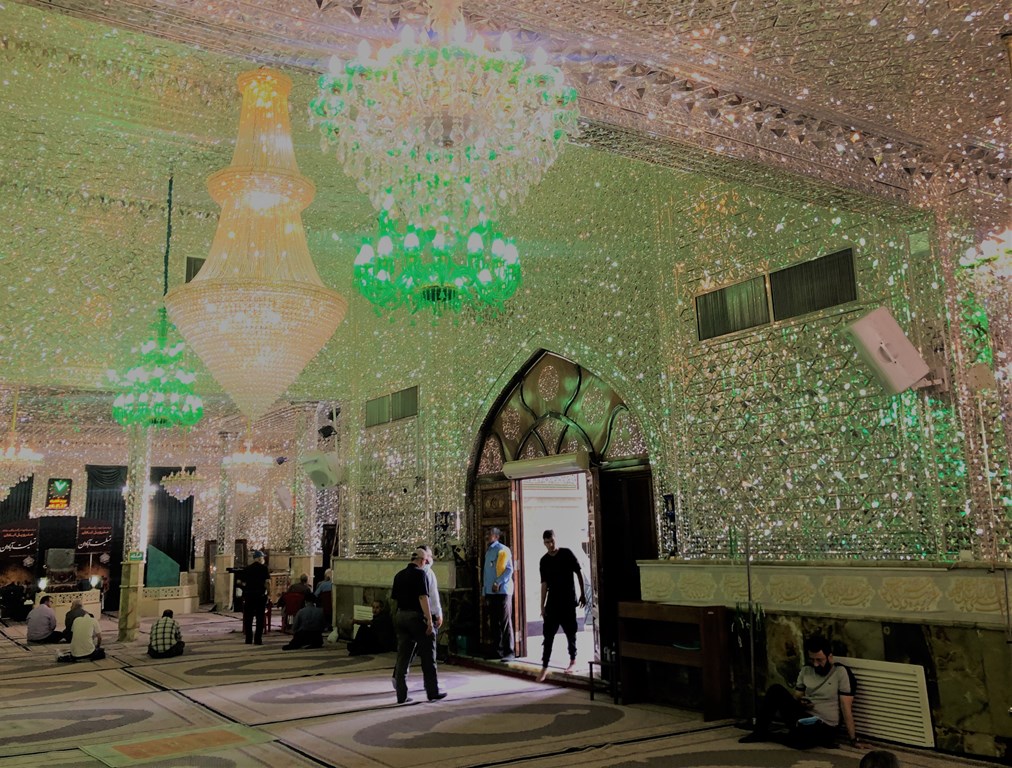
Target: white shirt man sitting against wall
[822, 696]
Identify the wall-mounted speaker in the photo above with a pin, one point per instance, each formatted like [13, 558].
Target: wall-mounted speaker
[324, 469]
[884, 347]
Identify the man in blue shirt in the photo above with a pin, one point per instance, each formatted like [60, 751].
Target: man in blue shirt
[497, 588]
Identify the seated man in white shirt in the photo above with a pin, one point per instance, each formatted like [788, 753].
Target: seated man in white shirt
[86, 642]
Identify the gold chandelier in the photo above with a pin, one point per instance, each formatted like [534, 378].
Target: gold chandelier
[257, 312]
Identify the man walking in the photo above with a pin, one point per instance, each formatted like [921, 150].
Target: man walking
[432, 586]
[256, 580]
[415, 632]
[558, 599]
[424, 557]
[497, 587]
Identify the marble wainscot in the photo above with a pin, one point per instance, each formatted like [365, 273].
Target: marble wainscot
[360, 581]
[91, 601]
[184, 598]
[951, 619]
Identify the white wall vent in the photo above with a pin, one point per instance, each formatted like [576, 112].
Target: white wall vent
[891, 701]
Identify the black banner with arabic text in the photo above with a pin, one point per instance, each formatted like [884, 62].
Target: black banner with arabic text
[93, 538]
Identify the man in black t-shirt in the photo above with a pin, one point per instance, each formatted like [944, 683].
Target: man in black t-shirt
[558, 599]
[256, 580]
[415, 632]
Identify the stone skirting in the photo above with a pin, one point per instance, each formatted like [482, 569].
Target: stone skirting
[91, 601]
[154, 600]
[964, 594]
[380, 573]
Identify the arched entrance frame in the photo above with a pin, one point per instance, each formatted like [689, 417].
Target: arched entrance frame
[493, 500]
[513, 372]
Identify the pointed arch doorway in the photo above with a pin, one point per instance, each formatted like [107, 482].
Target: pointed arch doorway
[555, 418]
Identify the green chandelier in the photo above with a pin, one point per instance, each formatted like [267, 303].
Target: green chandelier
[442, 133]
[159, 389]
[404, 266]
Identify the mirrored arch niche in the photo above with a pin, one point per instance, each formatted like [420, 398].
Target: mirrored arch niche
[555, 406]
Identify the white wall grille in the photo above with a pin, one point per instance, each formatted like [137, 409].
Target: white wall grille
[891, 701]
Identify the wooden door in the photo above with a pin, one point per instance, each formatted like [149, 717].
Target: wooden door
[627, 532]
[593, 526]
[495, 505]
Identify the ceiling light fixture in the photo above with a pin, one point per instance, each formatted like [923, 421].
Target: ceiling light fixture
[257, 312]
[184, 483]
[441, 133]
[159, 389]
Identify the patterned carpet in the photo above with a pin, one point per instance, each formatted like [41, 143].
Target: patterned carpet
[224, 704]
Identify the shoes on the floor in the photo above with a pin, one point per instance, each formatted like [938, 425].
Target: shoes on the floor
[438, 696]
[508, 657]
[754, 737]
[258, 642]
[405, 700]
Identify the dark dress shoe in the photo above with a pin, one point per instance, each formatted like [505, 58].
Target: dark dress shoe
[405, 700]
[438, 696]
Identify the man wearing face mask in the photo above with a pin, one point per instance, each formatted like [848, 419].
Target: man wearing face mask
[812, 711]
[435, 607]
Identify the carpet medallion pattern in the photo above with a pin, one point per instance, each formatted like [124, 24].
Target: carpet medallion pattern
[224, 704]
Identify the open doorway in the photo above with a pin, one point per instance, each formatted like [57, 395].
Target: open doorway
[558, 503]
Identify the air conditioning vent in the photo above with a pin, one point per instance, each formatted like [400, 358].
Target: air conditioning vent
[891, 701]
[730, 309]
[813, 285]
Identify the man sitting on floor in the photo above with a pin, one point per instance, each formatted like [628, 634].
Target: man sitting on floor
[86, 644]
[376, 635]
[166, 637]
[42, 623]
[812, 711]
[76, 609]
[307, 629]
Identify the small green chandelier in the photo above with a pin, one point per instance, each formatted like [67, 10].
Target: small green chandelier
[159, 389]
[404, 266]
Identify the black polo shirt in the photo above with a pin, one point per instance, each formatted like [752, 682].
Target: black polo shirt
[409, 585]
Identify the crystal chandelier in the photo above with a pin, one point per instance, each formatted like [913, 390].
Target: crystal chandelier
[441, 134]
[248, 467]
[992, 259]
[17, 463]
[257, 312]
[184, 483]
[159, 389]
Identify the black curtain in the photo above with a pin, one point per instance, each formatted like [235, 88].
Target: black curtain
[18, 504]
[104, 502]
[57, 533]
[171, 521]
